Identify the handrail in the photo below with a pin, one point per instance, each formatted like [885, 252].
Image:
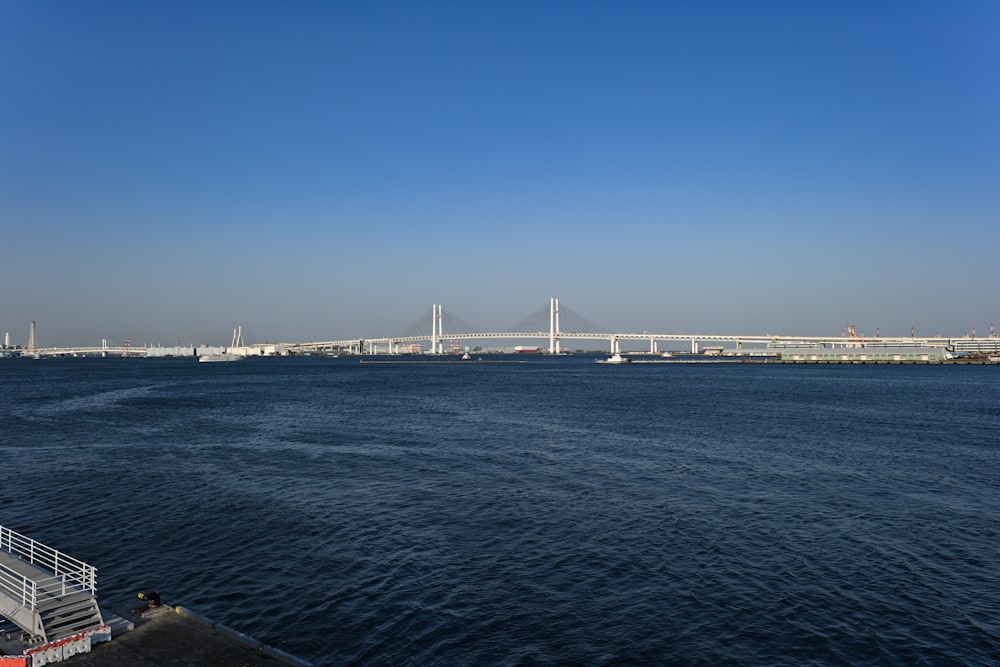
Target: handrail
[68, 573]
[18, 586]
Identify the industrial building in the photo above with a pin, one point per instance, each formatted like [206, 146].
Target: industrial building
[881, 354]
[989, 345]
[156, 352]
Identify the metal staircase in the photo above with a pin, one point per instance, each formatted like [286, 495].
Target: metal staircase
[48, 594]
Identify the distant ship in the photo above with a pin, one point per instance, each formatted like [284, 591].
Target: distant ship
[615, 358]
[525, 349]
[224, 356]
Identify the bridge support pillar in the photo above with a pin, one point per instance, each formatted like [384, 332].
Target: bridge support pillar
[437, 329]
[694, 346]
[555, 346]
[440, 329]
[654, 348]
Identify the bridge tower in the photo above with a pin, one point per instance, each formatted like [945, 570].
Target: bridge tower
[33, 339]
[555, 344]
[440, 329]
[237, 337]
[437, 329]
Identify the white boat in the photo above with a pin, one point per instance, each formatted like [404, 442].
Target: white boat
[225, 356]
[614, 359]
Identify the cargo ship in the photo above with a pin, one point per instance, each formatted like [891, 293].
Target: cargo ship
[527, 349]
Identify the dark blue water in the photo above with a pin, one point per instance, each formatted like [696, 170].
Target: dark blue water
[556, 511]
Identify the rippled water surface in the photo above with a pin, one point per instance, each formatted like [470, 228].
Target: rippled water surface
[555, 511]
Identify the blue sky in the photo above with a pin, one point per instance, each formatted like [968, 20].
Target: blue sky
[325, 170]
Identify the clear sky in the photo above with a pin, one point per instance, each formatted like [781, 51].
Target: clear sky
[326, 170]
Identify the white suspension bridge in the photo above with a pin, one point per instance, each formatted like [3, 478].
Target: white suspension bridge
[555, 335]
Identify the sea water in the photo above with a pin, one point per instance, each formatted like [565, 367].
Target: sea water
[549, 512]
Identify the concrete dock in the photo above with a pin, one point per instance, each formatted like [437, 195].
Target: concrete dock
[165, 636]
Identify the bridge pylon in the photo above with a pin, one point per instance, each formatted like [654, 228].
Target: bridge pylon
[237, 337]
[437, 329]
[555, 343]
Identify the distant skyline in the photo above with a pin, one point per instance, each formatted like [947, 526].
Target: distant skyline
[317, 171]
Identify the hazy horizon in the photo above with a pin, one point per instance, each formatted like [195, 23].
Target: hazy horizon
[324, 171]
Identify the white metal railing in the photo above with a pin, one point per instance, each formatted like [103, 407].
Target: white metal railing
[68, 573]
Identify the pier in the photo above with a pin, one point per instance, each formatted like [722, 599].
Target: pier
[50, 596]
[49, 600]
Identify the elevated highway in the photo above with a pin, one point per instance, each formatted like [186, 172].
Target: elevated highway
[92, 351]
[554, 336]
[614, 341]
